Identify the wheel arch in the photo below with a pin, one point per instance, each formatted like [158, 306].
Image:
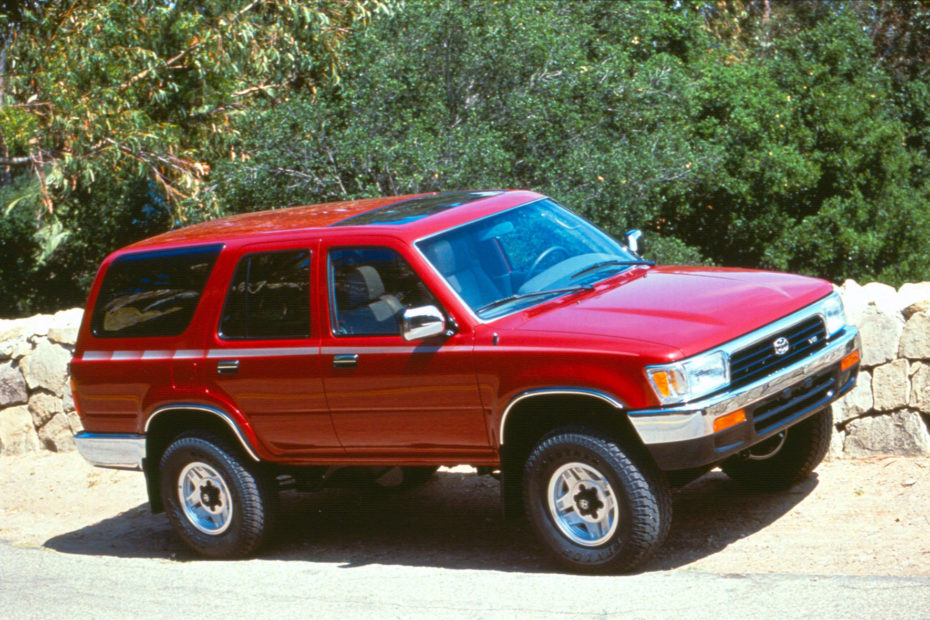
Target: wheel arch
[530, 415]
[168, 421]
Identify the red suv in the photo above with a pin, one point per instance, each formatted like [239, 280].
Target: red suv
[372, 341]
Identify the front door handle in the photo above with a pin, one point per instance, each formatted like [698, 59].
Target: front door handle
[345, 360]
[227, 367]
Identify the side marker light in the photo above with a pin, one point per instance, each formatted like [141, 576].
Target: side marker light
[850, 360]
[731, 419]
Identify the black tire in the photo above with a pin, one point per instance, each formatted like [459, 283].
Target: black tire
[591, 532]
[782, 460]
[231, 504]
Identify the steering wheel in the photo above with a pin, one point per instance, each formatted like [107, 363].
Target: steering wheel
[542, 259]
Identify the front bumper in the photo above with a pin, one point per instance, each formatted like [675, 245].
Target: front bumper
[683, 437]
[122, 451]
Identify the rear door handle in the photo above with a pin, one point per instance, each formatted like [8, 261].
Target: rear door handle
[345, 360]
[227, 367]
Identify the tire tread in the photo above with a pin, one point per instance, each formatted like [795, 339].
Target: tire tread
[646, 493]
[257, 505]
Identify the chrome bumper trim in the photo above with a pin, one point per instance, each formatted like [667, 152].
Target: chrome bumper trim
[696, 420]
[122, 451]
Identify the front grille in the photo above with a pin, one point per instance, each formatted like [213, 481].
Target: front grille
[760, 359]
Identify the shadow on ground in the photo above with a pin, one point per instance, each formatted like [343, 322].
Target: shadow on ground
[451, 522]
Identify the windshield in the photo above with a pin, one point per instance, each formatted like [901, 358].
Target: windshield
[524, 256]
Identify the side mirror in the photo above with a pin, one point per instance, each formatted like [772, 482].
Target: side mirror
[422, 322]
[634, 240]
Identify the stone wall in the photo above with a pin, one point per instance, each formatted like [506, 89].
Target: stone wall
[36, 410]
[887, 413]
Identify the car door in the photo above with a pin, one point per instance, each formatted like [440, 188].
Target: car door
[389, 396]
[265, 354]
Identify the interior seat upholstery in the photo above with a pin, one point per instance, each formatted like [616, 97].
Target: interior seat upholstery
[464, 274]
[368, 308]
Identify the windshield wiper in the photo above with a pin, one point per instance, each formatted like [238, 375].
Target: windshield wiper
[610, 263]
[552, 291]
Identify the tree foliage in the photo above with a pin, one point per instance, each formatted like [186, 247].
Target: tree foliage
[749, 133]
[97, 97]
[780, 134]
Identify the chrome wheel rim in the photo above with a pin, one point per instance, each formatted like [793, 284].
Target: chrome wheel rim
[583, 505]
[205, 498]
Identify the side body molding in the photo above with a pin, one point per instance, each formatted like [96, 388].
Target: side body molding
[556, 391]
[225, 417]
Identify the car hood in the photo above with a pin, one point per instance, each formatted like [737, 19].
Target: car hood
[686, 309]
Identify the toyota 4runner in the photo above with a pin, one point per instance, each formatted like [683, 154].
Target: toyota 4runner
[372, 341]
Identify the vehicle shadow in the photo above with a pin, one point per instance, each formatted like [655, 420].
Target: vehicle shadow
[453, 521]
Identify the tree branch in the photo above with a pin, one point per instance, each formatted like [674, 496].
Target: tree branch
[168, 64]
[15, 161]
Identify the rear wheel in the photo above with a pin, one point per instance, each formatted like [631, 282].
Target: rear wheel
[785, 458]
[215, 500]
[591, 505]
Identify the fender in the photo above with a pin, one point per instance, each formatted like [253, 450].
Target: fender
[225, 417]
[556, 391]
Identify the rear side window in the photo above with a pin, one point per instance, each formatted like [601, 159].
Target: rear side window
[152, 293]
[269, 297]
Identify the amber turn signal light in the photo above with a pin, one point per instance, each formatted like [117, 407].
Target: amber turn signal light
[731, 419]
[850, 360]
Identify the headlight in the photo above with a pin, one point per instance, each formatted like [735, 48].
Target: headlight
[834, 314]
[690, 378]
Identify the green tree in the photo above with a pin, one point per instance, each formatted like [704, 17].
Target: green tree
[100, 98]
[583, 101]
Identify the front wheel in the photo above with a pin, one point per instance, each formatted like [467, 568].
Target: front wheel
[216, 502]
[785, 458]
[591, 505]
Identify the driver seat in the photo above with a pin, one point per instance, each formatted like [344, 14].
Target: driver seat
[464, 273]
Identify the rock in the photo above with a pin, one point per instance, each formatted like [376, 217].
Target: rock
[65, 325]
[17, 434]
[11, 339]
[67, 401]
[854, 300]
[920, 306]
[43, 407]
[881, 334]
[56, 434]
[836, 444]
[23, 348]
[47, 367]
[12, 387]
[72, 317]
[913, 293]
[920, 388]
[74, 422]
[902, 432]
[915, 337]
[856, 402]
[66, 336]
[38, 325]
[882, 296]
[890, 385]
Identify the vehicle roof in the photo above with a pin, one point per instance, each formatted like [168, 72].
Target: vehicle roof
[431, 212]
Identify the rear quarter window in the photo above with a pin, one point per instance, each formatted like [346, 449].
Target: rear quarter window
[152, 293]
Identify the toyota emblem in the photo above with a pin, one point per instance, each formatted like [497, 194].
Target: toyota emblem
[781, 346]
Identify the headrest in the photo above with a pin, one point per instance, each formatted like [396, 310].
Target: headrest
[363, 286]
[442, 257]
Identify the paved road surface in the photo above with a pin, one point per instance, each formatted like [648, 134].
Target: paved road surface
[38, 583]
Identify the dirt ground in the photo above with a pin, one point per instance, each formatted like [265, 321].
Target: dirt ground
[853, 517]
